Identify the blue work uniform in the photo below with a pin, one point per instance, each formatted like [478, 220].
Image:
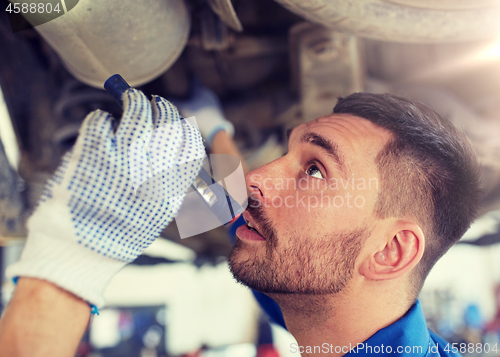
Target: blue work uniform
[408, 336]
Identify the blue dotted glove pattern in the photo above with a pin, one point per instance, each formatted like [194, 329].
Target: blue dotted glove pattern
[124, 188]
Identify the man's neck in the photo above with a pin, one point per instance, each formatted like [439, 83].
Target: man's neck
[338, 322]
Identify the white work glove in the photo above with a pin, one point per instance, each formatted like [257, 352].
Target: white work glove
[205, 106]
[91, 219]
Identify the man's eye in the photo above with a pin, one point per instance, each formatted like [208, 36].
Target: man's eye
[313, 170]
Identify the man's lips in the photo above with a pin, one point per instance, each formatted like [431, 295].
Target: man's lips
[245, 233]
[249, 230]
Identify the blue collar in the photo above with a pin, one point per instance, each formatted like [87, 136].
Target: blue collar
[409, 332]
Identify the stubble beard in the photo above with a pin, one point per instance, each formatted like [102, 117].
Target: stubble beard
[318, 266]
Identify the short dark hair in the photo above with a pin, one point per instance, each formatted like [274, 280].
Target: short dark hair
[428, 171]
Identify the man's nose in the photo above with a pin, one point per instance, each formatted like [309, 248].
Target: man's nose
[262, 182]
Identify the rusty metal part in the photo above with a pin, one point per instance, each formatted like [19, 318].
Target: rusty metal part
[248, 62]
[382, 20]
[225, 10]
[326, 64]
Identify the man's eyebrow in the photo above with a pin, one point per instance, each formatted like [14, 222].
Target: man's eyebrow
[331, 148]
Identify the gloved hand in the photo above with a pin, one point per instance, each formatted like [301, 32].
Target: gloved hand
[92, 218]
[205, 106]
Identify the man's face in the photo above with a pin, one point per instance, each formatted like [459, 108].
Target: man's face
[311, 210]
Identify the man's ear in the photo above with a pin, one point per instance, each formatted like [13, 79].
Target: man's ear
[397, 255]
